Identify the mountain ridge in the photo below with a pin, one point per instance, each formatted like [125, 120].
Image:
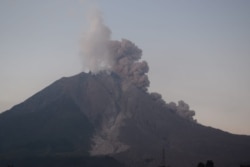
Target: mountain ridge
[103, 115]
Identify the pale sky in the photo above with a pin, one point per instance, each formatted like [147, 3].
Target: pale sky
[198, 50]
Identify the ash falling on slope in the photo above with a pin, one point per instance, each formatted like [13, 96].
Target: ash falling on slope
[101, 53]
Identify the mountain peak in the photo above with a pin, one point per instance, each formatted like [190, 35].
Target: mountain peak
[104, 115]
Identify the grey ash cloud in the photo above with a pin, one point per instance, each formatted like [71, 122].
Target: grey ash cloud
[101, 53]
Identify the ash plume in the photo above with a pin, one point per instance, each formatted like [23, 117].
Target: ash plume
[100, 53]
[123, 57]
[126, 56]
[95, 42]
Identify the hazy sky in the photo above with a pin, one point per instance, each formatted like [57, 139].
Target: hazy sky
[198, 51]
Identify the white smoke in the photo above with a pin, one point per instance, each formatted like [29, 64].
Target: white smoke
[95, 42]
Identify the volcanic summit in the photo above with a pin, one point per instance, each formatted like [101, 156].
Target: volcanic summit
[107, 117]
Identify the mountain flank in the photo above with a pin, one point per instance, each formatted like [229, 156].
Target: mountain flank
[90, 118]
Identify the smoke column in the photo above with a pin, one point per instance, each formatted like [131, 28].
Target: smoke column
[100, 53]
[95, 52]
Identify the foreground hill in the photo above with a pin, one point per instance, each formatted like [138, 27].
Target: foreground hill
[100, 120]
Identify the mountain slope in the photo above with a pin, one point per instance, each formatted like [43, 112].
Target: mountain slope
[102, 115]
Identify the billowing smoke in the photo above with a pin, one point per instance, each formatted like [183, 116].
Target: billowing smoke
[126, 56]
[182, 109]
[100, 53]
[158, 99]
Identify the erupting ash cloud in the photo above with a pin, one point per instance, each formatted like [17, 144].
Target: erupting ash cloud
[127, 55]
[100, 53]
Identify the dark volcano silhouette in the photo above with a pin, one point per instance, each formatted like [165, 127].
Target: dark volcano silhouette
[99, 120]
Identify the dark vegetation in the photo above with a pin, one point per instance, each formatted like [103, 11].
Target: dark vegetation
[209, 163]
[59, 161]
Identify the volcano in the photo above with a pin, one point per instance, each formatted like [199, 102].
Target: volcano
[100, 120]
